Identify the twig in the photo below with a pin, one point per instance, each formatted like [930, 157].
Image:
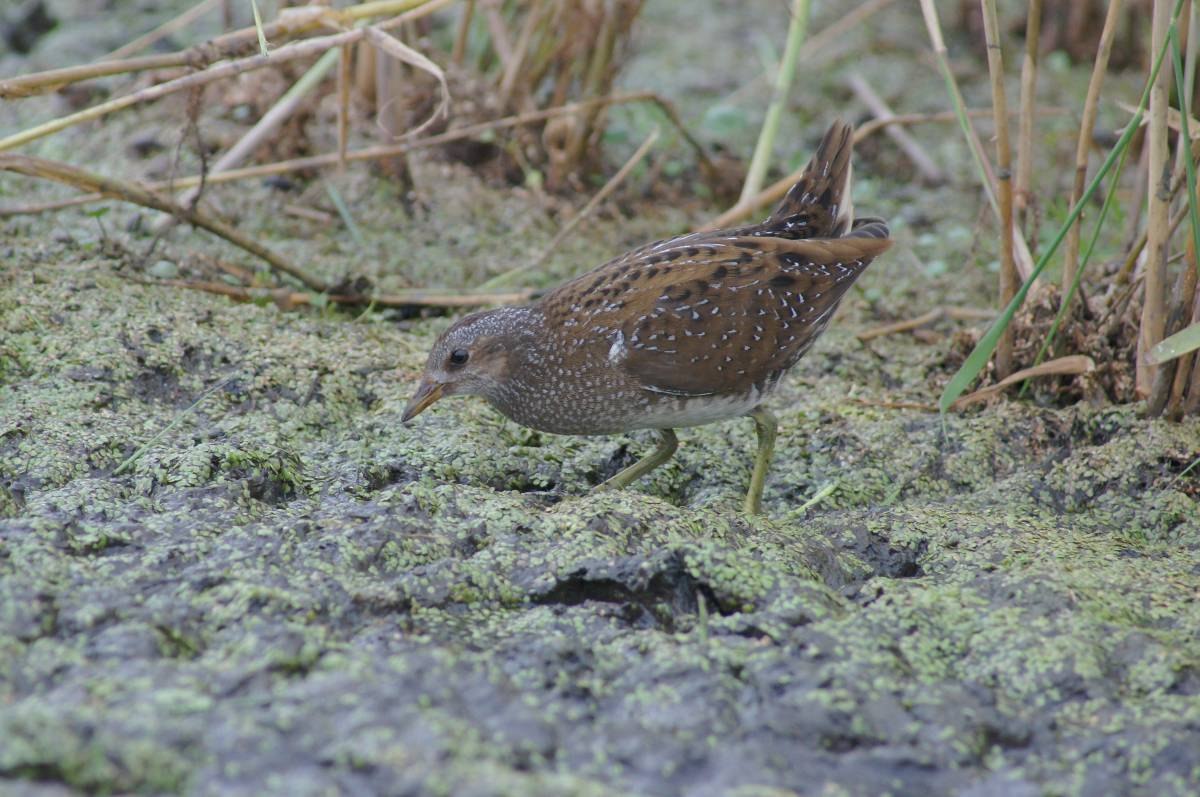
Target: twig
[875, 104]
[384, 151]
[1024, 260]
[287, 298]
[1063, 366]
[166, 29]
[132, 458]
[587, 210]
[775, 191]
[1083, 146]
[1008, 269]
[460, 38]
[1158, 217]
[1029, 67]
[139, 195]
[894, 405]
[841, 27]
[783, 83]
[956, 313]
[291, 22]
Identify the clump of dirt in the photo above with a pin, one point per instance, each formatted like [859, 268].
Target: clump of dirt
[1108, 336]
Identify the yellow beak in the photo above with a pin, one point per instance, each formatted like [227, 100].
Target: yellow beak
[427, 393]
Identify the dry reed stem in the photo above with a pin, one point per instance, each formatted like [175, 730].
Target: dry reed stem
[925, 165]
[775, 191]
[1070, 365]
[291, 22]
[166, 29]
[937, 313]
[933, 25]
[1182, 313]
[378, 152]
[584, 213]
[464, 28]
[757, 170]
[841, 27]
[287, 299]
[1083, 145]
[1029, 68]
[140, 195]
[1008, 270]
[1153, 321]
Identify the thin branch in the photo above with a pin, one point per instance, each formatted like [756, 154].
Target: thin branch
[139, 195]
[925, 165]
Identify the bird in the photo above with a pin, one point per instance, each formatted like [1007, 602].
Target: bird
[678, 333]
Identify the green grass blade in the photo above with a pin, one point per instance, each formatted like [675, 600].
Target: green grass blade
[1083, 262]
[1177, 345]
[979, 356]
[1185, 113]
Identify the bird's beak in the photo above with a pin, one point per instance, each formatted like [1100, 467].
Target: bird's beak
[428, 392]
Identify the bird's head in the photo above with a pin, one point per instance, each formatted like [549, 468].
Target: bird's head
[470, 358]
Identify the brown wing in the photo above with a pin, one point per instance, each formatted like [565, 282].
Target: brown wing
[700, 314]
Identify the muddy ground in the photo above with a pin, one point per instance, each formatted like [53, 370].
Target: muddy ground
[288, 592]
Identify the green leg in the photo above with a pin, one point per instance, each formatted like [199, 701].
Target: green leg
[667, 443]
[766, 426]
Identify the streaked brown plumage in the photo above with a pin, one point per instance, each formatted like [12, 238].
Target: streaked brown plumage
[680, 332]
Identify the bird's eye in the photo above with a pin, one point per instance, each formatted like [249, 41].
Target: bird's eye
[459, 357]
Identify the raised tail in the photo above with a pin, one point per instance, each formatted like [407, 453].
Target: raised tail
[819, 204]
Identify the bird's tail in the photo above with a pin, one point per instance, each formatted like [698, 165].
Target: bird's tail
[819, 204]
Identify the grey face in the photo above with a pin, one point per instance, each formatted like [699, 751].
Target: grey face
[470, 358]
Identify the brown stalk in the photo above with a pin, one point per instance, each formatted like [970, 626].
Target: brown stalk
[385, 151]
[292, 22]
[166, 29]
[908, 325]
[1070, 365]
[140, 195]
[1083, 146]
[464, 28]
[287, 299]
[925, 165]
[1183, 314]
[1153, 321]
[1029, 67]
[839, 29]
[1009, 281]
[584, 213]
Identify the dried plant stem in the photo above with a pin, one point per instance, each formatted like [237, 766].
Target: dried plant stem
[218, 72]
[464, 28]
[928, 168]
[1022, 190]
[1182, 313]
[838, 30]
[933, 24]
[382, 151]
[775, 191]
[937, 313]
[585, 212]
[288, 299]
[783, 84]
[1083, 145]
[1008, 269]
[273, 119]
[1153, 321]
[166, 29]
[140, 195]
[1070, 365]
[292, 22]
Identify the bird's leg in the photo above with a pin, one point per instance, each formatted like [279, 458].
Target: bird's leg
[667, 443]
[766, 426]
